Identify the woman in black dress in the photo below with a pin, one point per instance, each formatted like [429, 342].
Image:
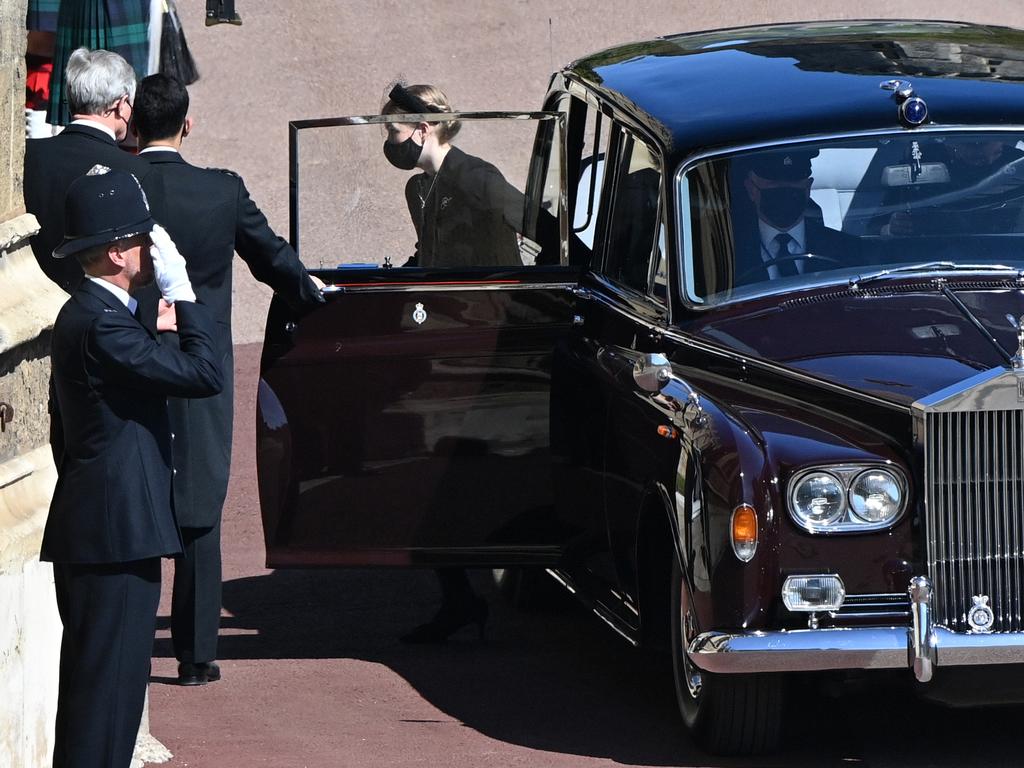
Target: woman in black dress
[466, 215]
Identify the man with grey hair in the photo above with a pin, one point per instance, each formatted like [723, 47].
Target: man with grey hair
[100, 91]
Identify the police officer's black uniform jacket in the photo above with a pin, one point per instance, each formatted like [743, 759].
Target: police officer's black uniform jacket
[112, 517]
[112, 502]
[51, 165]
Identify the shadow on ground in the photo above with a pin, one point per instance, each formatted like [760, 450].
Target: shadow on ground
[560, 681]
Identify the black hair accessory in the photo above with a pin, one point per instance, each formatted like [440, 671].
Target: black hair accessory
[410, 102]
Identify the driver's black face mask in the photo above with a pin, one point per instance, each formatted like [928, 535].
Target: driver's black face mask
[404, 154]
[783, 206]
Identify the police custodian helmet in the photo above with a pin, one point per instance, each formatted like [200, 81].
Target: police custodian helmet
[103, 206]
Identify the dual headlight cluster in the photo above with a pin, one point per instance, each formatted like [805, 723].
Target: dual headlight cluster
[847, 498]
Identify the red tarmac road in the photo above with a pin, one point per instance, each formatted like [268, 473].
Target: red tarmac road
[314, 677]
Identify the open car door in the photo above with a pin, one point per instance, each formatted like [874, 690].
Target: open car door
[406, 421]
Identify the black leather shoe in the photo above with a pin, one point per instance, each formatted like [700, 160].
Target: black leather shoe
[198, 674]
[449, 620]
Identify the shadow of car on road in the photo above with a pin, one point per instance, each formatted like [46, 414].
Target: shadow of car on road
[559, 681]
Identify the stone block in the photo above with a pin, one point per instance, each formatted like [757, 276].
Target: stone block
[12, 103]
[30, 632]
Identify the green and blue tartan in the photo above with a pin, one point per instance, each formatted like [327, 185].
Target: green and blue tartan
[121, 26]
[42, 15]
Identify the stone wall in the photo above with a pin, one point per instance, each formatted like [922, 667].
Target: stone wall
[30, 628]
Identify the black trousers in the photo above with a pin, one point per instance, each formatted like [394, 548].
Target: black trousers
[195, 603]
[109, 617]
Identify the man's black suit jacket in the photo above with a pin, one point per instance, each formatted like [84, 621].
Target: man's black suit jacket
[838, 249]
[51, 165]
[112, 502]
[210, 216]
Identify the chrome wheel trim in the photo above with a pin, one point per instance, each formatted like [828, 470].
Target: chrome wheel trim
[691, 674]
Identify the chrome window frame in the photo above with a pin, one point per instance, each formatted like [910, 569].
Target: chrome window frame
[295, 126]
[647, 292]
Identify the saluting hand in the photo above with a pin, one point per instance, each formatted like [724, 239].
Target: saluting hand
[166, 317]
[169, 268]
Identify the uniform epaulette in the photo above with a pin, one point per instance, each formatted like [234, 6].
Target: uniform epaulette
[228, 171]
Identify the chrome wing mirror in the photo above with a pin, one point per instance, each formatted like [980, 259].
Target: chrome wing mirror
[652, 372]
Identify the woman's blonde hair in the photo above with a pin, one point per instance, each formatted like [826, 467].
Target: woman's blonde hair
[424, 98]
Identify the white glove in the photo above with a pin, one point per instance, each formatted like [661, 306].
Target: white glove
[169, 268]
[36, 126]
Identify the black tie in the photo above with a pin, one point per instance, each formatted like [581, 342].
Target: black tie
[785, 264]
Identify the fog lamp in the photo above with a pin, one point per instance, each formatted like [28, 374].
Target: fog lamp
[820, 592]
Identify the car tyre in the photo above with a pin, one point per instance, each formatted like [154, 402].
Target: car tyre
[727, 714]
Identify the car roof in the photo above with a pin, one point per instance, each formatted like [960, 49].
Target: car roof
[745, 85]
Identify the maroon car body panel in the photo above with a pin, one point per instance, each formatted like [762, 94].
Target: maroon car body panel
[397, 423]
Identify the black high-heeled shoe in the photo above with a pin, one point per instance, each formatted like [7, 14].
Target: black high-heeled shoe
[449, 620]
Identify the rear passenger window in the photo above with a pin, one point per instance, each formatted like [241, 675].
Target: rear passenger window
[594, 150]
[633, 226]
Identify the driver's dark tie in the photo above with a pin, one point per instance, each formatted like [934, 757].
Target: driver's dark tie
[785, 265]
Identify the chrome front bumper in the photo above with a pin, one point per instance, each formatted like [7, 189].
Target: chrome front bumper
[921, 647]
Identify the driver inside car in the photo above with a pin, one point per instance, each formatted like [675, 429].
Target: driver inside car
[784, 235]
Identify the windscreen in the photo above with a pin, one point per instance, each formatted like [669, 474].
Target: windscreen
[370, 192]
[791, 216]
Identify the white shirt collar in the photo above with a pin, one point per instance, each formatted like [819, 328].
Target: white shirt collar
[94, 124]
[768, 234]
[120, 293]
[158, 148]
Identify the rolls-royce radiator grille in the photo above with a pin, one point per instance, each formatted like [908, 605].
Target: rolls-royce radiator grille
[974, 477]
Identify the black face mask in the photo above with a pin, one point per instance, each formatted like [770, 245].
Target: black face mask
[783, 206]
[403, 155]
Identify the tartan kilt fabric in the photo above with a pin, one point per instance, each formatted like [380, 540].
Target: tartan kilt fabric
[121, 26]
[42, 15]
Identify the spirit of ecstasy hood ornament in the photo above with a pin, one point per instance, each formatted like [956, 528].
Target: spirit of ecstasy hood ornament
[1018, 359]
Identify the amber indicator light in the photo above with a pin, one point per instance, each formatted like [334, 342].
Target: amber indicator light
[744, 525]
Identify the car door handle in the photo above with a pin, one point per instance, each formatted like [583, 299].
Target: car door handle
[582, 293]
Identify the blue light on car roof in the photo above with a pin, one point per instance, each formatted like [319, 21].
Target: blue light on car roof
[914, 111]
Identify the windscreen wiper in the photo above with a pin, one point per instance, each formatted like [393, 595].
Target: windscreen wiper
[928, 267]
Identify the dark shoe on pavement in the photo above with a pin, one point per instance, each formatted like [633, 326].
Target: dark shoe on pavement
[198, 674]
[449, 620]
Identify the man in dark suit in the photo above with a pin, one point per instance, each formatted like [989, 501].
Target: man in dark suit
[101, 88]
[210, 215]
[111, 518]
[788, 237]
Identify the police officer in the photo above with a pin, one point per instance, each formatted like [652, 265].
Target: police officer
[111, 518]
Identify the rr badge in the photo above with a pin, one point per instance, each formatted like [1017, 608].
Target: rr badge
[980, 616]
[419, 314]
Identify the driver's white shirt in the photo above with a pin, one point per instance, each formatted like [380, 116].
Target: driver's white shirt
[769, 247]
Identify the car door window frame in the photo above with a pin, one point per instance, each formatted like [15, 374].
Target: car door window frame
[296, 126]
[623, 135]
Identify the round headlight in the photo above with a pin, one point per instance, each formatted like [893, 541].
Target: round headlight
[818, 499]
[875, 496]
